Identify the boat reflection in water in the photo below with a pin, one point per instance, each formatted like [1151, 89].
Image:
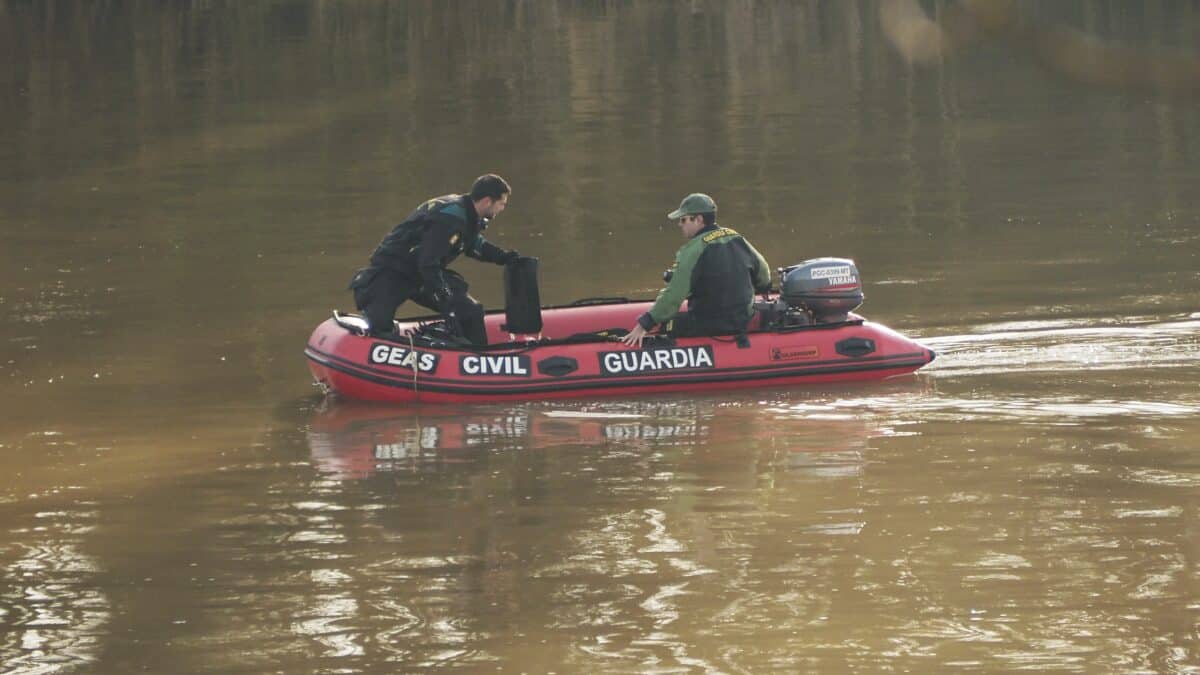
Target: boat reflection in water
[820, 435]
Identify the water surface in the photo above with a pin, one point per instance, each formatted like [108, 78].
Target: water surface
[187, 189]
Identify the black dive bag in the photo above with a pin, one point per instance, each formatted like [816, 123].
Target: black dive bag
[522, 302]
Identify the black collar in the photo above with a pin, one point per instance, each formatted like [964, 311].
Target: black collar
[469, 207]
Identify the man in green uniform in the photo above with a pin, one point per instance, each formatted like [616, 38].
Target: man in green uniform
[717, 271]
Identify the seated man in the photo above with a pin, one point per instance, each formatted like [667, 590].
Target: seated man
[411, 260]
[717, 271]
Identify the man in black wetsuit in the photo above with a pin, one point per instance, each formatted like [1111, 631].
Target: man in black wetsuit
[410, 262]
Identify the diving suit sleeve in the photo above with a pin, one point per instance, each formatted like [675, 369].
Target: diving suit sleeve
[486, 251]
[435, 246]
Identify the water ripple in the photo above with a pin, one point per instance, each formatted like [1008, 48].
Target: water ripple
[53, 614]
[1028, 347]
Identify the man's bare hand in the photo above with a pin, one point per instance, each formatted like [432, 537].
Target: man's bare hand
[634, 337]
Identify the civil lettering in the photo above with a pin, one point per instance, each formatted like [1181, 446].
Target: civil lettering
[486, 364]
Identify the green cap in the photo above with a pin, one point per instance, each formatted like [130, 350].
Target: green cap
[697, 202]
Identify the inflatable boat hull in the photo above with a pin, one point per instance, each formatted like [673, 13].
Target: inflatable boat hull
[367, 368]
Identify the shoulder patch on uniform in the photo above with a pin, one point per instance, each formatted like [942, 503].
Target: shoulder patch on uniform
[455, 209]
[718, 233]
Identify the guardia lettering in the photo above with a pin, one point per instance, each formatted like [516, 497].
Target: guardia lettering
[655, 360]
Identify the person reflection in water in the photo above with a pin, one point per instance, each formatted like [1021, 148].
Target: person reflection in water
[410, 262]
[717, 271]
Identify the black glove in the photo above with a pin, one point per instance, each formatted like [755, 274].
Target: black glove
[668, 274]
[453, 325]
[441, 299]
[508, 256]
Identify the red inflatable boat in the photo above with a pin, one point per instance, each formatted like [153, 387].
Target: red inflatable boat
[804, 335]
[573, 358]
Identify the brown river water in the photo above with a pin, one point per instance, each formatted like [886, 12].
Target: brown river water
[186, 188]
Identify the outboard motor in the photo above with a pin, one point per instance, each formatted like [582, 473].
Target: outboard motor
[825, 288]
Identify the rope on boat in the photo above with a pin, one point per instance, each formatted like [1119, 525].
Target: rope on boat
[413, 350]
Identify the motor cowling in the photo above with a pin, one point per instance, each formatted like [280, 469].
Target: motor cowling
[827, 288]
